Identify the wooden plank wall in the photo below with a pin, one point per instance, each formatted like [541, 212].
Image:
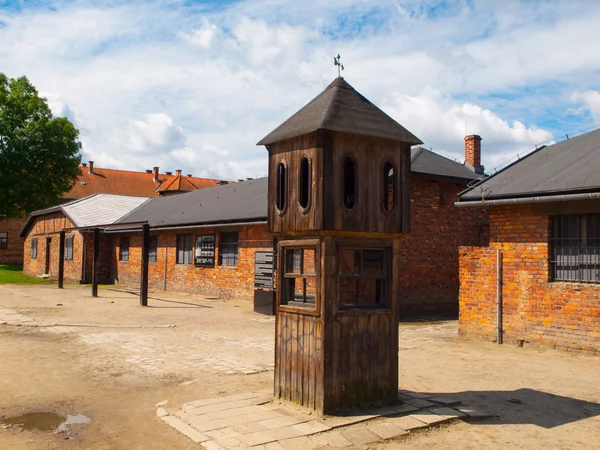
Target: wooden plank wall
[299, 359]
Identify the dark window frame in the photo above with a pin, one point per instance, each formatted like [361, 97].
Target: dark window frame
[124, 244]
[229, 248]
[384, 277]
[349, 202]
[574, 247]
[3, 240]
[304, 183]
[34, 248]
[152, 249]
[185, 248]
[282, 187]
[69, 241]
[283, 302]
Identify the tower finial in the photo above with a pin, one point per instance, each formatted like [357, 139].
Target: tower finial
[336, 62]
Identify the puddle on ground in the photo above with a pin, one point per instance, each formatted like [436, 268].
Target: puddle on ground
[45, 421]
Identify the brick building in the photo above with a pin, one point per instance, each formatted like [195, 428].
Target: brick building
[95, 180]
[538, 280]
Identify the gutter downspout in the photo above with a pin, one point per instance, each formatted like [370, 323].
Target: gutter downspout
[517, 201]
[499, 296]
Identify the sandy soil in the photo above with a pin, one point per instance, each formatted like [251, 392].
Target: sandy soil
[112, 360]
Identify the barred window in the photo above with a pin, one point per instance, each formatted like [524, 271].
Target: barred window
[34, 248]
[185, 245]
[69, 248]
[299, 287]
[152, 248]
[3, 240]
[228, 249]
[124, 249]
[575, 246]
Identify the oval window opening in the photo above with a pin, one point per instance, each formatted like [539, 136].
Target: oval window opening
[304, 188]
[281, 183]
[349, 180]
[389, 187]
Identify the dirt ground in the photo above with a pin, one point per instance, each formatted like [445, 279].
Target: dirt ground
[112, 360]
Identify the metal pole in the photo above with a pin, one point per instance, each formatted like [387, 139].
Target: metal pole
[499, 296]
[61, 259]
[145, 261]
[95, 262]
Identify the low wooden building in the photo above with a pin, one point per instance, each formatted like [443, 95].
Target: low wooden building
[538, 280]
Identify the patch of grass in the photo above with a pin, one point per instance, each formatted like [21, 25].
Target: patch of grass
[10, 274]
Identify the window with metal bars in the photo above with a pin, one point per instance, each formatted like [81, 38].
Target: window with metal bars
[152, 248]
[228, 249]
[362, 277]
[185, 245]
[299, 286]
[124, 249]
[69, 248]
[3, 240]
[575, 247]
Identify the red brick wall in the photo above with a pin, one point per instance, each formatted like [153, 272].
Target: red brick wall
[45, 227]
[536, 310]
[429, 281]
[13, 254]
[219, 281]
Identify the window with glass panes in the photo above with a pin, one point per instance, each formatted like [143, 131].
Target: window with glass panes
[575, 248]
[362, 277]
[34, 248]
[299, 287]
[152, 248]
[124, 249]
[3, 240]
[228, 248]
[69, 248]
[185, 244]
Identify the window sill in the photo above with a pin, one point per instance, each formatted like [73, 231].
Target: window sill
[363, 310]
[297, 309]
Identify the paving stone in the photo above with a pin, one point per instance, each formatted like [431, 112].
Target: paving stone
[222, 406]
[359, 435]
[162, 412]
[448, 413]
[330, 439]
[311, 427]
[200, 424]
[342, 421]
[415, 394]
[429, 418]
[419, 403]
[212, 445]
[386, 430]
[475, 414]
[222, 433]
[276, 422]
[247, 428]
[185, 429]
[299, 443]
[404, 409]
[382, 411]
[407, 423]
[274, 446]
[284, 433]
[446, 401]
[234, 412]
[163, 403]
[231, 443]
[228, 398]
[257, 438]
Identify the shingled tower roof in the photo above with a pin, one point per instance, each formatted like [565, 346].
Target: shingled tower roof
[341, 108]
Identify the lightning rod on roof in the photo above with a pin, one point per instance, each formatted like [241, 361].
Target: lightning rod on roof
[336, 62]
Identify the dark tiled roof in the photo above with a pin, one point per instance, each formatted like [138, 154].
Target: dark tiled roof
[427, 163]
[570, 166]
[236, 202]
[341, 108]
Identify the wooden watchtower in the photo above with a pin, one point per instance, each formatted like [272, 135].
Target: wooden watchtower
[339, 202]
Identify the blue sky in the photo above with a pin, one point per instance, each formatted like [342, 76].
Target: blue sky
[194, 85]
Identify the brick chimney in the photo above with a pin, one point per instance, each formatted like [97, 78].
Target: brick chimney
[155, 174]
[473, 153]
[178, 171]
[91, 164]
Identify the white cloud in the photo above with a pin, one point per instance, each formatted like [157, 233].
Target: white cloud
[196, 86]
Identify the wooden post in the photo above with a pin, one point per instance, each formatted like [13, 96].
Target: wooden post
[95, 262]
[61, 259]
[145, 261]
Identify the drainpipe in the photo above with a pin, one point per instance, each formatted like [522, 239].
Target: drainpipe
[499, 296]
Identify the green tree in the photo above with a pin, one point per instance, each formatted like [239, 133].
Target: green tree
[39, 153]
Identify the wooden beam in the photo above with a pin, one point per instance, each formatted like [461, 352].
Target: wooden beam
[145, 261]
[61, 259]
[96, 252]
